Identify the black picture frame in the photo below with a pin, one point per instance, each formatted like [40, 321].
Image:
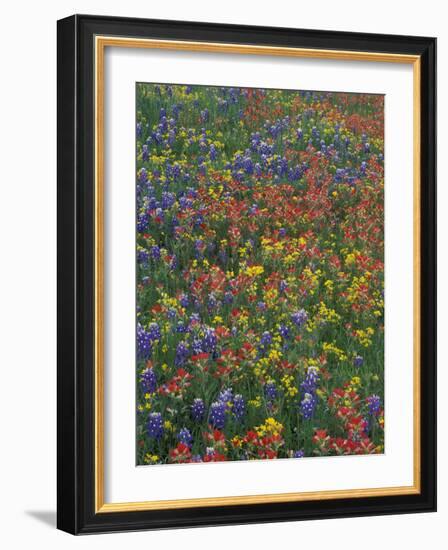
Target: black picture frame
[76, 251]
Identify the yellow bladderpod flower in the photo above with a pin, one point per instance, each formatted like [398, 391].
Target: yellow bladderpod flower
[151, 459]
[254, 270]
[270, 427]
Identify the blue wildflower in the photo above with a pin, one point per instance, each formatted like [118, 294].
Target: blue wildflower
[198, 410]
[217, 416]
[148, 380]
[184, 436]
[154, 426]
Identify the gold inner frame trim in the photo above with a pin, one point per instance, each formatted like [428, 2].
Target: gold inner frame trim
[101, 42]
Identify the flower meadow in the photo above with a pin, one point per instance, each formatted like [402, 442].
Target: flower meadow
[260, 274]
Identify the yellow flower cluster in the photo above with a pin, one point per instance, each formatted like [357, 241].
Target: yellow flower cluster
[254, 270]
[288, 383]
[332, 348]
[354, 290]
[327, 314]
[365, 336]
[312, 278]
[256, 403]
[270, 427]
[151, 459]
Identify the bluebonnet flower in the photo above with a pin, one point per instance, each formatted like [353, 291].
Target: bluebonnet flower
[142, 222]
[155, 252]
[299, 318]
[198, 409]
[143, 175]
[294, 174]
[239, 407]
[173, 262]
[265, 342]
[266, 339]
[184, 300]
[185, 437]
[298, 454]
[213, 152]
[196, 346]
[204, 115]
[270, 391]
[142, 257]
[171, 313]
[226, 396]
[154, 331]
[176, 110]
[180, 327]
[145, 153]
[212, 301]
[154, 427]
[144, 343]
[308, 390]
[185, 202]
[248, 166]
[282, 167]
[199, 247]
[339, 175]
[168, 199]
[217, 416]
[148, 380]
[374, 404]
[182, 354]
[209, 341]
[311, 380]
[358, 361]
[307, 406]
[283, 331]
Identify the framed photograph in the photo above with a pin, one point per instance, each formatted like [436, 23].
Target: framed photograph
[246, 274]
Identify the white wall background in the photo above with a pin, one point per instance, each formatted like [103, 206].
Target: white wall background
[28, 271]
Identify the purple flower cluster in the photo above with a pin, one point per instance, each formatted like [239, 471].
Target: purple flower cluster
[374, 404]
[239, 407]
[299, 318]
[182, 354]
[154, 427]
[184, 436]
[308, 391]
[198, 410]
[308, 405]
[144, 343]
[154, 332]
[270, 391]
[217, 416]
[146, 339]
[148, 380]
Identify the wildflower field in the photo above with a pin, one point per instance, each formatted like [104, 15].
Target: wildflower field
[260, 274]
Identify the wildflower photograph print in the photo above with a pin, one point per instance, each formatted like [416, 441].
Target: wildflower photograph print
[260, 274]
